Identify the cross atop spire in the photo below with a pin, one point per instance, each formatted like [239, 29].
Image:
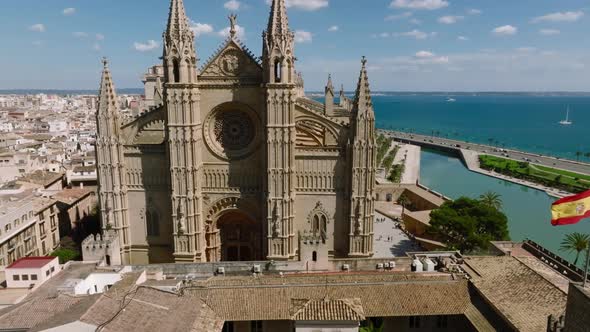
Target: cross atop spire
[362, 100]
[278, 22]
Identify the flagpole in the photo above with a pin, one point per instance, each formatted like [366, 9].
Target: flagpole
[586, 268]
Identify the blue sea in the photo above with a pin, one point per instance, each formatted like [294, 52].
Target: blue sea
[524, 122]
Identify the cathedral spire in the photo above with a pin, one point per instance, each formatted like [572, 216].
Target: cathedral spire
[107, 98]
[180, 57]
[177, 21]
[330, 86]
[329, 97]
[278, 23]
[278, 53]
[362, 101]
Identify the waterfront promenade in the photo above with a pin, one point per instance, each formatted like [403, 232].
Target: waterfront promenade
[456, 145]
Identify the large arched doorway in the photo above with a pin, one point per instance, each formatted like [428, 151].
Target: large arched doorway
[240, 237]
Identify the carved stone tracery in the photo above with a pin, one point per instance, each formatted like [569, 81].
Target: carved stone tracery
[231, 131]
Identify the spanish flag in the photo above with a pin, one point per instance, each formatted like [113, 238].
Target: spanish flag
[570, 210]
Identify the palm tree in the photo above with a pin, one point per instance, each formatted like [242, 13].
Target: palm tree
[404, 201]
[491, 199]
[577, 242]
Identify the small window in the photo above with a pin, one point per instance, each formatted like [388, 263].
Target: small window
[442, 322]
[52, 269]
[16, 277]
[25, 277]
[228, 327]
[33, 277]
[256, 326]
[46, 273]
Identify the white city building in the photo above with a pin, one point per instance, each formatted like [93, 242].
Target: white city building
[31, 272]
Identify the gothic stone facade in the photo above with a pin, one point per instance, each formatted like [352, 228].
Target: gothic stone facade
[233, 162]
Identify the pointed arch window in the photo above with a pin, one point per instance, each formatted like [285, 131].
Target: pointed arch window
[278, 66]
[176, 71]
[315, 227]
[152, 218]
[323, 227]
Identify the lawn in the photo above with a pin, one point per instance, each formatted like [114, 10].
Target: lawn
[564, 173]
[547, 176]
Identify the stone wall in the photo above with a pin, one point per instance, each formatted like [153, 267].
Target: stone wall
[577, 313]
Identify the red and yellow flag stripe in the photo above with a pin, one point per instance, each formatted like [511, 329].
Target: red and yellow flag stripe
[570, 210]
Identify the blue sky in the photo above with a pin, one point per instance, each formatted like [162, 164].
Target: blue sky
[411, 45]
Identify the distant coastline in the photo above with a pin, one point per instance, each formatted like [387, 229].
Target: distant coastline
[126, 91]
[140, 91]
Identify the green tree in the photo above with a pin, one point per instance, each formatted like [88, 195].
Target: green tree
[404, 201]
[372, 325]
[491, 199]
[587, 155]
[577, 242]
[578, 155]
[65, 255]
[468, 225]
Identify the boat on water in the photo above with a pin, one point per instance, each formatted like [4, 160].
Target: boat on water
[451, 100]
[566, 121]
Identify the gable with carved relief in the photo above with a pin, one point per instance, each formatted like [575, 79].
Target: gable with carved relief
[232, 61]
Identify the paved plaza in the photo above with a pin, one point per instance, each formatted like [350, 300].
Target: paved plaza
[389, 240]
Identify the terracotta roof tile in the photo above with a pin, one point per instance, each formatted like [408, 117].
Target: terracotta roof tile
[519, 293]
[327, 310]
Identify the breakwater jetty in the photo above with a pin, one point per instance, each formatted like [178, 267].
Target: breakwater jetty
[469, 153]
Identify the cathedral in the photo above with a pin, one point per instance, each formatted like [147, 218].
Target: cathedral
[232, 162]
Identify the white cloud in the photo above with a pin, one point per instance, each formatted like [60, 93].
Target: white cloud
[80, 34]
[200, 29]
[333, 28]
[69, 11]
[146, 47]
[424, 54]
[240, 32]
[559, 17]
[450, 19]
[99, 36]
[474, 11]
[526, 49]
[96, 47]
[303, 36]
[549, 32]
[309, 5]
[415, 34]
[37, 43]
[384, 35]
[415, 21]
[462, 38]
[505, 30]
[37, 27]
[232, 5]
[398, 16]
[426, 57]
[504, 70]
[419, 4]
